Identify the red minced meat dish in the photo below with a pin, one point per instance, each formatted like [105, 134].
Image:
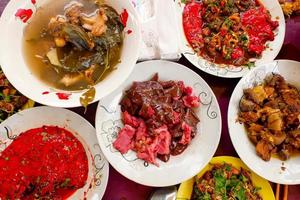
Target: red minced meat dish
[159, 119]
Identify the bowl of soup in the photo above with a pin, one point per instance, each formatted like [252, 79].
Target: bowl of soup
[68, 53]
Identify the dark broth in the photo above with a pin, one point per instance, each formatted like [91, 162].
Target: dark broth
[37, 43]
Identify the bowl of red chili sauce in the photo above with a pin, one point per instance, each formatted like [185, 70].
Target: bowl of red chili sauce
[228, 37]
[50, 153]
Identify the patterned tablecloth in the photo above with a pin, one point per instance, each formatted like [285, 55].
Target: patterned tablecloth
[120, 188]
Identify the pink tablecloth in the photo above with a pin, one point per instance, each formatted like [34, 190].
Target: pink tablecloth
[120, 188]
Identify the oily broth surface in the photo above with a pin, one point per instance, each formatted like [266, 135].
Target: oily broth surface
[36, 45]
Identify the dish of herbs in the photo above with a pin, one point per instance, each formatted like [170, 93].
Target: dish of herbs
[225, 182]
[73, 45]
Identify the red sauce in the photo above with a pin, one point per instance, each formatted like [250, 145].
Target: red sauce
[46, 163]
[192, 23]
[259, 27]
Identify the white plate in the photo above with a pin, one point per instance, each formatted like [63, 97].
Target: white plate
[232, 71]
[82, 129]
[14, 66]
[178, 168]
[270, 170]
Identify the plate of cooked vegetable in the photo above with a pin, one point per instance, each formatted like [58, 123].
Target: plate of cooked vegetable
[226, 37]
[11, 101]
[226, 177]
[264, 121]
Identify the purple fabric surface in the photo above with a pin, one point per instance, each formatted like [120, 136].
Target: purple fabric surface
[120, 188]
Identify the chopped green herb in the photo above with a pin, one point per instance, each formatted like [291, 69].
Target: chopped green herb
[228, 23]
[65, 183]
[228, 168]
[240, 193]
[250, 65]
[244, 178]
[244, 37]
[256, 189]
[220, 182]
[7, 98]
[206, 196]
[228, 54]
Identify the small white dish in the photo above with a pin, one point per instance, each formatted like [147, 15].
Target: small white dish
[275, 170]
[20, 75]
[178, 168]
[82, 130]
[226, 71]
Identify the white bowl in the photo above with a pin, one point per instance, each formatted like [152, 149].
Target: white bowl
[228, 71]
[181, 167]
[82, 130]
[14, 67]
[275, 170]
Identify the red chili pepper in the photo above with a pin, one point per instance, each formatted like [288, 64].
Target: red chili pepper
[24, 14]
[222, 3]
[223, 32]
[237, 53]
